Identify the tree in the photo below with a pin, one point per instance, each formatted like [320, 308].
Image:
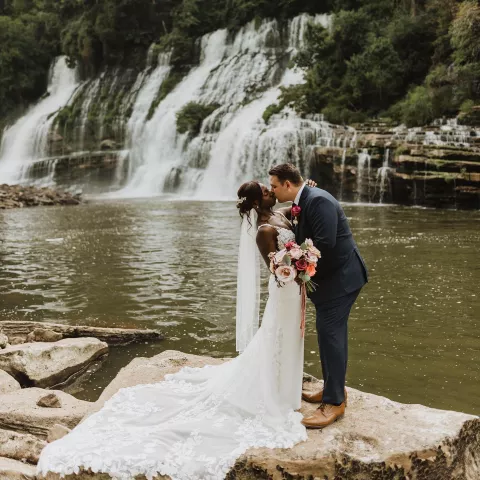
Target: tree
[465, 33]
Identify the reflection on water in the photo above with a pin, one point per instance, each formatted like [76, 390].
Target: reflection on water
[165, 264]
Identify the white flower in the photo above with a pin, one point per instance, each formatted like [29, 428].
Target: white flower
[285, 274]
[279, 256]
[311, 248]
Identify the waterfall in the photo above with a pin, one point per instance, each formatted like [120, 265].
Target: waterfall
[342, 172]
[148, 86]
[382, 175]
[90, 94]
[27, 139]
[363, 175]
[441, 133]
[241, 76]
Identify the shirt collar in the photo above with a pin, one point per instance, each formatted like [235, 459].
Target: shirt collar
[299, 194]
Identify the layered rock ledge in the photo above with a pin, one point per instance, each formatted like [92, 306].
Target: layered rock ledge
[18, 196]
[377, 439]
[51, 332]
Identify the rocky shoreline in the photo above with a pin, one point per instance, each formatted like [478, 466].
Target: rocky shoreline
[378, 438]
[19, 196]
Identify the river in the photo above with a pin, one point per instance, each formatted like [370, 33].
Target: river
[169, 264]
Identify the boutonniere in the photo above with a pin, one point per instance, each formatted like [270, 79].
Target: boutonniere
[295, 214]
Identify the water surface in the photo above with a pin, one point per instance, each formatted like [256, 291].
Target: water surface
[171, 265]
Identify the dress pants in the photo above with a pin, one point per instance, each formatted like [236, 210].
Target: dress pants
[332, 331]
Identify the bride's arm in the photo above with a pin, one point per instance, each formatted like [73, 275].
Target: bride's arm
[267, 242]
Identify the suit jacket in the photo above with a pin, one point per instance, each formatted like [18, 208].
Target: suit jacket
[341, 269]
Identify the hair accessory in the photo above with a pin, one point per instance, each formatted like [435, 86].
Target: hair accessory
[241, 200]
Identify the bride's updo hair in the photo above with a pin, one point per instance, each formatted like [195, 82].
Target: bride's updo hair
[248, 194]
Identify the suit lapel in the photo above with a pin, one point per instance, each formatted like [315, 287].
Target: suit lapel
[301, 204]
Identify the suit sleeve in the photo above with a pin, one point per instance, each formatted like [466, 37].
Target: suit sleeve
[324, 223]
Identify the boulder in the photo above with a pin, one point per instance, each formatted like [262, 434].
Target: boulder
[18, 196]
[3, 340]
[20, 446]
[43, 335]
[7, 383]
[108, 144]
[45, 364]
[15, 470]
[377, 439]
[19, 411]
[57, 432]
[49, 401]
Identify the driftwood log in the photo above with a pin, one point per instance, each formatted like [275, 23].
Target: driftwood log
[112, 336]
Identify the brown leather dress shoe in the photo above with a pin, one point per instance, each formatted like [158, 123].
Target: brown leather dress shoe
[317, 397]
[325, 415]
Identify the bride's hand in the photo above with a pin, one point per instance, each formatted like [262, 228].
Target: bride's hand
[311, 183]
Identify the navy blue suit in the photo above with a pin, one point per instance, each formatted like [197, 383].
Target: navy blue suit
[341, 273]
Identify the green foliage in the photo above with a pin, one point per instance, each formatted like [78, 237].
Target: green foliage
[28, 43]
[191, 117]
[465, 33]
[272, 110]
[411, 60]
[384, 56]
[416, 109]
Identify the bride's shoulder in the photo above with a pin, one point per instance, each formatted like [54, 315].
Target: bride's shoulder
[266, 229]
[266, 238]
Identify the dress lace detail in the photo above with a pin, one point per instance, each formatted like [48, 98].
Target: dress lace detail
[197, 422]
[285, 235]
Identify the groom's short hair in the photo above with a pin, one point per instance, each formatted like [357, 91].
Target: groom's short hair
[287, 171]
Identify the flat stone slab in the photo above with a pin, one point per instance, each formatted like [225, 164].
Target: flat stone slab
[20, 446]
[15, 470]
[45, 364]
[377, 438]
[7, 383]
[19, 411]
[112, 336]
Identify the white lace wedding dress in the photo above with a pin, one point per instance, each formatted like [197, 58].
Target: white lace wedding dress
[197, 422]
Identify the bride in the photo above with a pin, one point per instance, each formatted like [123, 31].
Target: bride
[197, 422]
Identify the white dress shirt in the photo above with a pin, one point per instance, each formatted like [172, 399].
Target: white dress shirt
[299, 194]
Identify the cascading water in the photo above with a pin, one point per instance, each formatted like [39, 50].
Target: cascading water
[27, 139]
[382, 175]
[242, 76]
[342, 172]
[363, 175]
[441, 133]
[90, 95]
[148, 88]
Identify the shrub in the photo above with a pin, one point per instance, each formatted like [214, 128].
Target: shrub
[191, 117]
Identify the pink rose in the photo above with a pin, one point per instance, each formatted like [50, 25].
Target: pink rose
[285, 274]
[296, 211]
[296, 253]
[289, 245]
[301, 265]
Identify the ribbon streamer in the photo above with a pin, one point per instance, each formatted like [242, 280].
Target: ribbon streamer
[303, 293]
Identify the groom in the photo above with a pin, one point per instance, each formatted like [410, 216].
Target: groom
[341, 273]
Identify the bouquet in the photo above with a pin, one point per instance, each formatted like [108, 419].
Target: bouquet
[295, 262]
